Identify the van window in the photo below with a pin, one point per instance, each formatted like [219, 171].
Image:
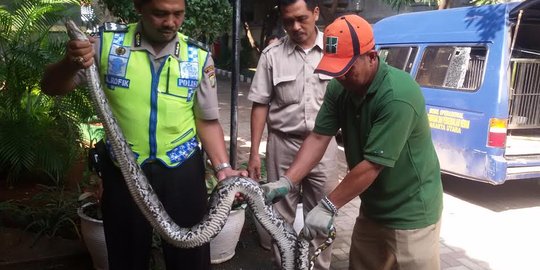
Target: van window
[454, 67]
[399, 57]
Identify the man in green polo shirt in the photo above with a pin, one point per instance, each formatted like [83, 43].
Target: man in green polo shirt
[393, 165]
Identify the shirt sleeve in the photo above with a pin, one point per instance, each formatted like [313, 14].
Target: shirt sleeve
[206, 101]
[327, 121]
[390, 132]
[261, 87]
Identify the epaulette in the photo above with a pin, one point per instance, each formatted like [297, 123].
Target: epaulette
[197, 43]
[273, 44]
[114, 27]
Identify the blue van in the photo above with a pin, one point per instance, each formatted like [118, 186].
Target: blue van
[479, 69]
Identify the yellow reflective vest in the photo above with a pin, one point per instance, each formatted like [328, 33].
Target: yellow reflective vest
[154, 108]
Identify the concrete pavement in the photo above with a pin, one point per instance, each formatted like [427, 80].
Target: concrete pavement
[464, 242]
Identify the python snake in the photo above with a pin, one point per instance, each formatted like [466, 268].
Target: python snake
[293, 249]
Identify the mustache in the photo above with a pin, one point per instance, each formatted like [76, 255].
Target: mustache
[162, 30]
[299, 33]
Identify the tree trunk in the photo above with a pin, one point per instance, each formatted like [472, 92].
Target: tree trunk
[328, 14]
[269, 25]
[444, 4]
[250, 38]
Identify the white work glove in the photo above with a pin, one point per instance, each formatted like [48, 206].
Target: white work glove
[275, 191]
[320, 219]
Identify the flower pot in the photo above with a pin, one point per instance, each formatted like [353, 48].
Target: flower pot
[94, 238]
[223, 246]
[264, 238]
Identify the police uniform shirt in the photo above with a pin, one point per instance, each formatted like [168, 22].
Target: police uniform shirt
[206, 102]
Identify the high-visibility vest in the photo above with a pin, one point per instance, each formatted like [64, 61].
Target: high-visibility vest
[154, 108]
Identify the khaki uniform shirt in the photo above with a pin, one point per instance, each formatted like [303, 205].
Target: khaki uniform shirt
[206, 101]
[285, 80]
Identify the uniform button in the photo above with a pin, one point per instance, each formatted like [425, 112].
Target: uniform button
[357, 116]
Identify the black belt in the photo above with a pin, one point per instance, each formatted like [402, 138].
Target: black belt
[289, 135]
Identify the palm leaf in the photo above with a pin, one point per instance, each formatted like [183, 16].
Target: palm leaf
[37, 133]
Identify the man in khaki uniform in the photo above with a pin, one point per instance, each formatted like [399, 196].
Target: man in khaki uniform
[286, 96]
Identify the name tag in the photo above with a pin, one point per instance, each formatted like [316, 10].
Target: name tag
[117, 81]
[189, 83]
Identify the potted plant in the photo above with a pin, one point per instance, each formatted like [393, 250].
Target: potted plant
[223, 246]
[91, 220]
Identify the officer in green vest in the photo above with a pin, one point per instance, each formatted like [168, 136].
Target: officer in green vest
[162, 90]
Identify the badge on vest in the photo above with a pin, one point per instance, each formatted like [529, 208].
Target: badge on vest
[112, 81]
[189, 70]
[188, 83]
[189, 73]
[118, 60]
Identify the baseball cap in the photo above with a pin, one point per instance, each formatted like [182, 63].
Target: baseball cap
[345, 39]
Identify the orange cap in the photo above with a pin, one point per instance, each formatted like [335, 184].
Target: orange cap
[345, 39]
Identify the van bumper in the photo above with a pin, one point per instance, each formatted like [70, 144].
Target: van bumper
[501, 169]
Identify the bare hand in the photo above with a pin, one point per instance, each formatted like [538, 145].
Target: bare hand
[228, 172]
[254, 167]
[81, 52]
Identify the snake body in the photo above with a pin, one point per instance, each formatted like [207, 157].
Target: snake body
[293, 249]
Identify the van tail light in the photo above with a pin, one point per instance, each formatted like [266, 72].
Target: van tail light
[497, 132]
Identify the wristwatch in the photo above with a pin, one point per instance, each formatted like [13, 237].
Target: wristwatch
[221, 166]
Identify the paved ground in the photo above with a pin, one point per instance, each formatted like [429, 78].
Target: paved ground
[484, 227]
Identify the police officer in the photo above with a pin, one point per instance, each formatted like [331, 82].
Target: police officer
[162, 90]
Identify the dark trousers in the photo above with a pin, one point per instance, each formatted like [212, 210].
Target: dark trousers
[182, 191]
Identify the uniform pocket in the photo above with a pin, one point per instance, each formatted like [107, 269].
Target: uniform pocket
[171, 106]
[321, 90]
[286, 90]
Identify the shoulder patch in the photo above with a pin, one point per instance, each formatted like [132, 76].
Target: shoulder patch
[114, 27]
[197, 43]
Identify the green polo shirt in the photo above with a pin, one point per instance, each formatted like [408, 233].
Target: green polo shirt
[388, 126]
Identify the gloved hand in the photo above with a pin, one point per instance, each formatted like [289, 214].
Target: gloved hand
[319, 220]
[275, 191]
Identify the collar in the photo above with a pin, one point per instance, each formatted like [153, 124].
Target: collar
[291, 45]
[319, 42]
[382, 70]
[140, 43]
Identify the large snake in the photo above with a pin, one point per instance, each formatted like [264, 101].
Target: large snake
[293, 249]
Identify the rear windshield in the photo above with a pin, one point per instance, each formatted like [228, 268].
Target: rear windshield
[452, 67]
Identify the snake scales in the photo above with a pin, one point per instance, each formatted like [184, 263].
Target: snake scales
[293, 249]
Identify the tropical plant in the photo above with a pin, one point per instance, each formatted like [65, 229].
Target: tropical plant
[38, 133]
[206, 20]
[50, 212]
[486, 2]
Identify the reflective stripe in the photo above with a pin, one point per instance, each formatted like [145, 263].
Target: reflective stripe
[178, 155]
[182, 152]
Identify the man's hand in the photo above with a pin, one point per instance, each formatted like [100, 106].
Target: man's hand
[319, 220]
[228, 172]
[254, 167]
[80, 53]
[275, 191]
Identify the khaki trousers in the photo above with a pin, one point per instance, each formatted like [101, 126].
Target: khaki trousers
[375, 247]
[280, 152]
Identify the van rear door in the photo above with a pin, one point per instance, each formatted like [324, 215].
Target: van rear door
[523, 136]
